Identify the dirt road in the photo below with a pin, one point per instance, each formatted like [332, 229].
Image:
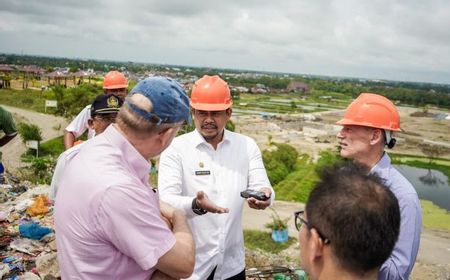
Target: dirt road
[50, 125]
[434, 253]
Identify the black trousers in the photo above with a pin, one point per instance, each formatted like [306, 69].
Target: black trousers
[239, 276]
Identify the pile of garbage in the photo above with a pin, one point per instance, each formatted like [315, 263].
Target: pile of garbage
[27, 238]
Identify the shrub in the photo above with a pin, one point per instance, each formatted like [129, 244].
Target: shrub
[279, 162]
[29, 132]
[41, 169]
[277, 223]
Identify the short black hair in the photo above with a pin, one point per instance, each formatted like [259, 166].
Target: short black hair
[358, 213]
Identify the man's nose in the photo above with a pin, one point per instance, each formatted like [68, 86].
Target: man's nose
[209, 116]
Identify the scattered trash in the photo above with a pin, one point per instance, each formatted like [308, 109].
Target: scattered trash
[48, 265]
[28, 246]
[27, 239]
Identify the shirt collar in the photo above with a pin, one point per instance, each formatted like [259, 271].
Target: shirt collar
[382, 167]
[199, 140]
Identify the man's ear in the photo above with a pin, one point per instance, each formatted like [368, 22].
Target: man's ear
[316, 246]
[166, 136]
[228, 112]
[377, 136]
[91, 123]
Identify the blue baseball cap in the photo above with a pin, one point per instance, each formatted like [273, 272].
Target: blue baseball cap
[169, 100]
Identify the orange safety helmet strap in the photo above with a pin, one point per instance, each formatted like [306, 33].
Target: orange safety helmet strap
[114, 80]
[372, 110]
[211, 93]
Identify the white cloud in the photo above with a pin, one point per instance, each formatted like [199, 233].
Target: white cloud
[390, 39]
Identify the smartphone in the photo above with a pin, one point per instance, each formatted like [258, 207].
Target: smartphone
[255, 194]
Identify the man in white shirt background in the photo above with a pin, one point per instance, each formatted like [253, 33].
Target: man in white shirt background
[115, 83]
[102, 113]
[203, 173]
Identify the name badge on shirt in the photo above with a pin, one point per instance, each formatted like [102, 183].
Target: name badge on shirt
[202, 172]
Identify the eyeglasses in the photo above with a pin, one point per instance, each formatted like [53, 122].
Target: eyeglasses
[299, 221]
[109, 119]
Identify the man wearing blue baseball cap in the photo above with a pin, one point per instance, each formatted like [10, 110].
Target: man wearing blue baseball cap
[109, 222]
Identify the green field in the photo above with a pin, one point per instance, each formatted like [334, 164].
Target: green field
[434, 217]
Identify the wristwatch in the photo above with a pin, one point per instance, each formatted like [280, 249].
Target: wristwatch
[197, 210]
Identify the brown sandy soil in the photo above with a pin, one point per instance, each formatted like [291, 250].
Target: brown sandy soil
[433, 260]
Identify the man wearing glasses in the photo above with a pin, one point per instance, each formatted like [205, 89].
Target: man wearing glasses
[103, 112]
[350, 224]
[113, 83]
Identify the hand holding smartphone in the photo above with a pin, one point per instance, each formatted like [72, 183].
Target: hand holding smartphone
[255, 194]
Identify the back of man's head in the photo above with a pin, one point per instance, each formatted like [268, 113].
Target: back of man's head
[153, 105]
[357, 213]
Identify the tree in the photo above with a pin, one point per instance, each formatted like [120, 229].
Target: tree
[279, 162]
[432, 152]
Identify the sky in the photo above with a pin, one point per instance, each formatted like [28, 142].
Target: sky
[406, 40]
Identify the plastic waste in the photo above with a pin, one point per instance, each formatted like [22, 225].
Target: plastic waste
[39, 206]
[33, 231]
[2, 174]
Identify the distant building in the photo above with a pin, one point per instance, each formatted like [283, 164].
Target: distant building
[241, 89]
[296, 86]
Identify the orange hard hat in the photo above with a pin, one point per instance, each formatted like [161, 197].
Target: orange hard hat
[114, 80]
[372, 110]
[211, 93]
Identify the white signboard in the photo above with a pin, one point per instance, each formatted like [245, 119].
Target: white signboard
[51, 103]
[32, 144]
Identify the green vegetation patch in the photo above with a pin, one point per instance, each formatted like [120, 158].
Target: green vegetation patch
[53, 147]
[298, 184]
[293, 176]
[434, 217]
[25, 99]
[255, 239]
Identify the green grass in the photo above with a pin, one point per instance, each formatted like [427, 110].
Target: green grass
[434, 217]
[27, 99]
[52, 147]
[299, 183]
[255, 239]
